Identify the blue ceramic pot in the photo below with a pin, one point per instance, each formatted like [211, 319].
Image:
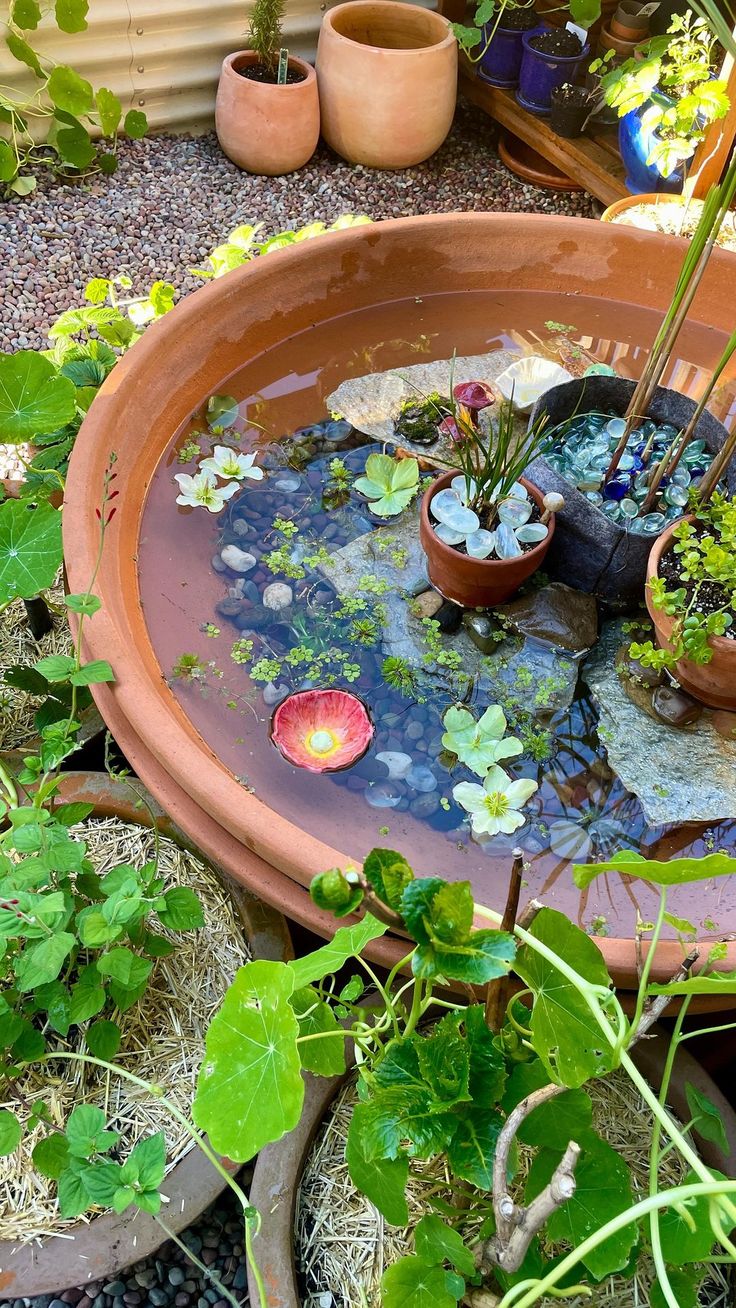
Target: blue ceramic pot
[501, 62]
[636, 143]
[540, 73]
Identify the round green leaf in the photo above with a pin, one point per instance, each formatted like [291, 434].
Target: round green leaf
[26, 14]
[136, 124]
[413, 1283]
[108, 163]
[23, 185]
[34, 399]
[10, 1132]
[71, 15]
[30, 548]
[69, 91]
[23, 52]
[75, 148]
[8, 162]
[602, 1192]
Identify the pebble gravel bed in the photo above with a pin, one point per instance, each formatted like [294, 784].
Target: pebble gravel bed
[174, 198]
[169, 1279]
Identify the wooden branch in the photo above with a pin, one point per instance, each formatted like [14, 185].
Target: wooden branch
[655, 1007]
[497, 991]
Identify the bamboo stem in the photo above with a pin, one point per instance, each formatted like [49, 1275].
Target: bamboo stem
[717, 468]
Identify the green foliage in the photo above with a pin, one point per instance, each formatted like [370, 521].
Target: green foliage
[242, 245]
[30, 548]
[478, 743]
[67, 102]
[389, 484]
[673, 76]
[265, 35]
[677, 872]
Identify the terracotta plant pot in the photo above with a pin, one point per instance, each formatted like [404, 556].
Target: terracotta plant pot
[263, 128]
[387, 78]
[477, 583]
[712, 683]
[280, 1166]
[97, 1250]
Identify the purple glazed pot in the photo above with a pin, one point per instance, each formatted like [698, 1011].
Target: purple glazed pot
[501, 62]
[540, 73]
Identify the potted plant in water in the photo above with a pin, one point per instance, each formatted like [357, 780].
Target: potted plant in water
[267, 110]
[666, 97]
[484, 528]
[691, 597]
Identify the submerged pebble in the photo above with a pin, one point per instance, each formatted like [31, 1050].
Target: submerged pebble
[237, 559]
[398, 764]
[277, 596]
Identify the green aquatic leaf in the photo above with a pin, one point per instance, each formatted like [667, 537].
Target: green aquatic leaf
[382, 1180]
[250, 1089]
[390, 484]
[34, 398]
[602, 1192]
[677, 872]
[347, 942]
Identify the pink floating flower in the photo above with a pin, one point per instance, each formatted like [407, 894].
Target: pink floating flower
[473, 395]
[322, 730]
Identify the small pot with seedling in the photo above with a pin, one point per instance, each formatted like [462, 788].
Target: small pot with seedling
[494, 42]
[483, 527]
[267, 110]
[551, 57]
[571, 108]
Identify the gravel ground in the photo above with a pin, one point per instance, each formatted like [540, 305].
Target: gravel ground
[174, 198]
[170, 1279]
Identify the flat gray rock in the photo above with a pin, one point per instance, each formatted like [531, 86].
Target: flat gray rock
[678, 776]
[392, 553]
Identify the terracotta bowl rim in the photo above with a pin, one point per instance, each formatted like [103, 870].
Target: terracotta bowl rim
[719, 643]
[250, 57]
[449, 552]
[443, 43]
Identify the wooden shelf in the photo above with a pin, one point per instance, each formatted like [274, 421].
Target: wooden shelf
[592, 160]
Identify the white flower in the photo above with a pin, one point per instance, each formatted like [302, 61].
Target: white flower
[228, 463]
[201, 489]
[495, 805]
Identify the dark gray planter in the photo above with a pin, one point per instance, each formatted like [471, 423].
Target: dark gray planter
[589, 551]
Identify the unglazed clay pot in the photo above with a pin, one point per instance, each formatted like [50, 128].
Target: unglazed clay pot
[265, 128]
[712, 683]
[387, 78]
[477, 583]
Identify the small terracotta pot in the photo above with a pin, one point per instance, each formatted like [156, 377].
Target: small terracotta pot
[477, 583]
[387, 78]
[263, 128]
[712, 683]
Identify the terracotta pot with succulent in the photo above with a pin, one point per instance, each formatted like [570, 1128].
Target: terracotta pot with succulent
[666, 97]
[484, 528]
[267, 110]
[691, 598]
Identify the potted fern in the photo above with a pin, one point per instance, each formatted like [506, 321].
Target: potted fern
[267, 110]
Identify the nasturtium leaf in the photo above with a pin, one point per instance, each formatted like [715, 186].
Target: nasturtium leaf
[250, 1089]
[51, 1155]
[34, 398]
[87, 604]
[553, 1125]
[8, 162]
[136, 124]
[75, 147]
[685, 1286]
[689, 1241]
[382, 1180]
[26, 14]
[92, 674]
[388, 873]
[473, 1146]
[30, 1044]
[24, 53]
[707, 1120]
[10, 1132]
[487, 1064]
[69, 91]
[416, 907]
[322, 1057]
[451, 913]
[43, 962]
[103, 1040]
[347, 942]
[182, 910]
[483, 957]
[23, 185]
[602, 1191]
[334, 893]
[414, 1283]
[565, 1034]
[722, 984]
[71, 15]
[436, 1242]
[678, 871]
[110, 111]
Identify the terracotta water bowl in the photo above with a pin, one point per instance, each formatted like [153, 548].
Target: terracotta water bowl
[330, 299]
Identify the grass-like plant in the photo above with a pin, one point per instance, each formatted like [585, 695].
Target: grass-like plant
[265, 35]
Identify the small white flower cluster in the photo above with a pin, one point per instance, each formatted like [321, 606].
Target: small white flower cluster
[202, 489]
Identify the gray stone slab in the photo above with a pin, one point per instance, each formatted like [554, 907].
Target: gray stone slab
[678, 776]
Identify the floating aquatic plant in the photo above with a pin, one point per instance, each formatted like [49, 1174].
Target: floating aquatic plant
[389, 484]
[322, 730]
[225, 462]
[496, 805]
[479, 743]
[202, 491]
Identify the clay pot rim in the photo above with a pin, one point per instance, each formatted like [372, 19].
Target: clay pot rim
[250, 57]
[59, 1262]
[410, 9]
[449, 553]
[628, 202]
[662, 544]
[279, 1167]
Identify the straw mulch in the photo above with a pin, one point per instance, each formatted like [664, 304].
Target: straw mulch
[343, 1243]
[163, 1034]
[17, 646]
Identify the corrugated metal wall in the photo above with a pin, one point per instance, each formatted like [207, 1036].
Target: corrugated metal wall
[162, 56]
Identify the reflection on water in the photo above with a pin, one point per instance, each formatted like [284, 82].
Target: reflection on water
[240, 614]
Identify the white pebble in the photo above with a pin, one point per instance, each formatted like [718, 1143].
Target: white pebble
[273, 695]
[277, 596]
[237, 559]
[398, 764]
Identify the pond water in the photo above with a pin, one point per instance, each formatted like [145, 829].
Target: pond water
[197, 609]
